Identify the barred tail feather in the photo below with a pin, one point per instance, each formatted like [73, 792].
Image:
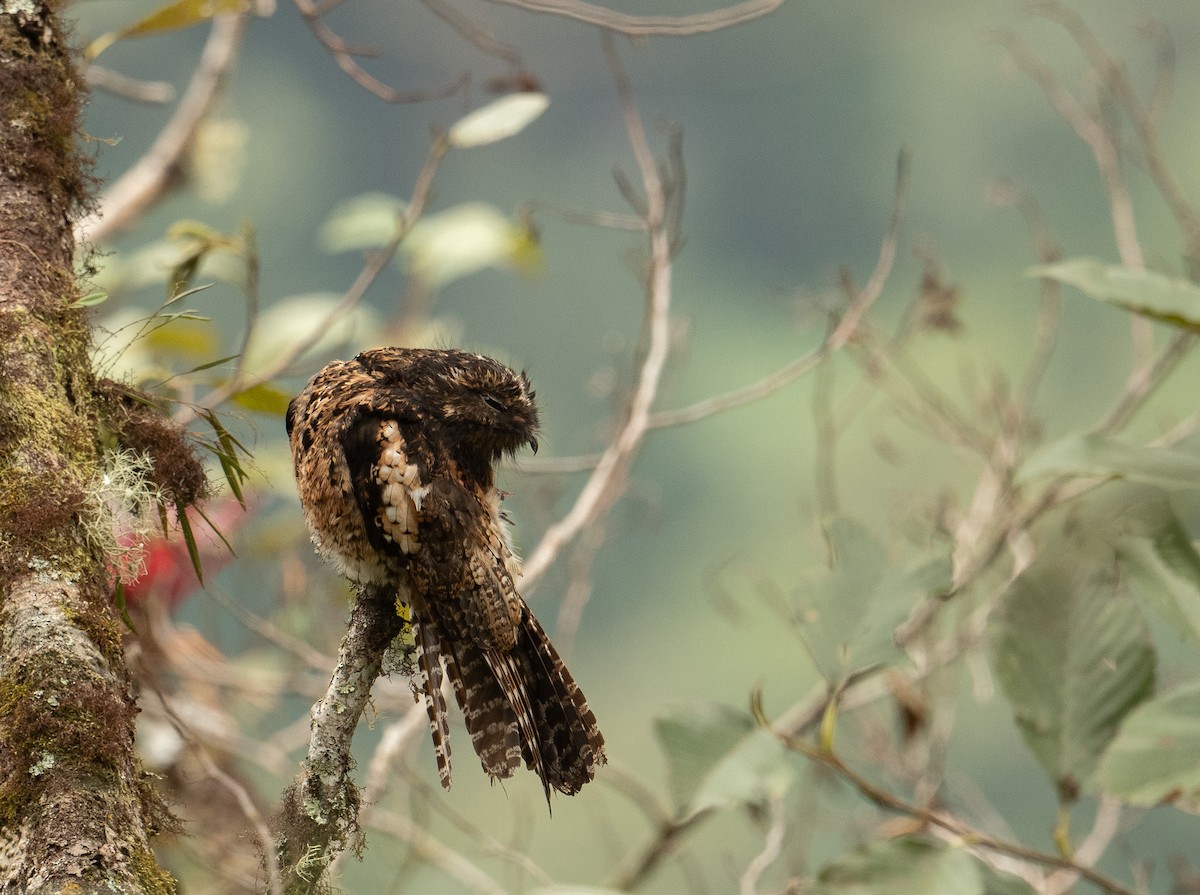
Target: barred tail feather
[520, 703]
[560, 739]
[482, 696]
[506, 669]
[429, 664]
[568, 742]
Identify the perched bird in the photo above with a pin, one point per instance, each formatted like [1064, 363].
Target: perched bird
[393, 453]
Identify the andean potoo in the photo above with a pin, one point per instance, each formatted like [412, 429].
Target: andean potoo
[393, 453]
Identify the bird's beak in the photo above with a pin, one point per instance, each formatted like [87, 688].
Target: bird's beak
[533, 445]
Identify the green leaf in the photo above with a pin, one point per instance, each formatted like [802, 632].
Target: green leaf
[367, 221]
[122, 608]
[90, 300]
[694, 740]
[907, 866]
[848, 616]
[171, 17]
[297, 319]
[755, 771]
[997, 883]
[1144, 292]
[1164, 569]
[212, 526]
[198, 241]
[189, 538]
[1097, 456]
[210, 364]
[1156, 755]
[234, 475]
[717, 756]
[264, 398]
[182, 335]
[498, 120]
[153, 262]
[1073, 654]
[226, 450]
[463, 240]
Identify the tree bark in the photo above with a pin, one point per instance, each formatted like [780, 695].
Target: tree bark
[76, 810]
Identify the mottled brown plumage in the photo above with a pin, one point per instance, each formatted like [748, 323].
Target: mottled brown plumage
[394, 453]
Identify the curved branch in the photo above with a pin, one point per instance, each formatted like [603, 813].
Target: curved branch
[343, 54]
[648, 26]
[842, 333]
[319, 814]
[604, 482]
[150, 92]
[158, 170]
[939, 819]
[372, 268]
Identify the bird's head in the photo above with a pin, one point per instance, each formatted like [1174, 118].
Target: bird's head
[490, 407]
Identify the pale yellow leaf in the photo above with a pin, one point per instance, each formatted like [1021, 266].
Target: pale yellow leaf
[498, 120]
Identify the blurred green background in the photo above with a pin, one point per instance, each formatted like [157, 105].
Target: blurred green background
[791, 128]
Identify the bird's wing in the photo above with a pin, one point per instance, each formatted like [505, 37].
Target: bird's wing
[386, 476]
[462, 565]
[518, 697]
[456, 558]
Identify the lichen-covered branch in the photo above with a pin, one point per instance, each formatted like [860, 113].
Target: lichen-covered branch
[318, 817]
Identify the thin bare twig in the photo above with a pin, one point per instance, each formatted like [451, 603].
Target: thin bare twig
[846, 328]
[1163, 89]
[158, 170]
[1143, 382]
[579, 587]
[1105, 151]
[374, 265]
[1144, 119]
[639, 795]
[1093, 132]
[603, 485]
[270, 632]
[609, 219]
[562, 465]
[648, 26]
[436, 852]
[343, 54]
[483, 840]
[100, 77]
[826, 432]
[660, 846]
[971, 836]
[1147, 375]
[482, 39]
[770, 852]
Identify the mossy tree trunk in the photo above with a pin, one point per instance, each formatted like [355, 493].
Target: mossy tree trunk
[76, 811]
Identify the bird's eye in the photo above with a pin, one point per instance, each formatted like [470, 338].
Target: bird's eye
[494, 403]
